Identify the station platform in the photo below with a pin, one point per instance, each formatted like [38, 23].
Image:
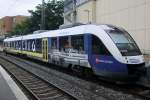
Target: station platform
[8, 88]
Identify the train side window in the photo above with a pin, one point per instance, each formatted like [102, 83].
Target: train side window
[38, 45]
[20, 44]
[12, 44]
[98, 47]
[15, 44]
[54, 43]
[26, 45]
[29, 45]
[77, 43]
[23, 45]
[63, 43]
[8, 44]
[5, 44]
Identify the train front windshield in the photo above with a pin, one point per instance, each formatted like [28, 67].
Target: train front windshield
[123, 41]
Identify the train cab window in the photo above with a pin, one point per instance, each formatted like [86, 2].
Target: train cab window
[77, 43]
[54, 43]
[98, 48]
[123, 41]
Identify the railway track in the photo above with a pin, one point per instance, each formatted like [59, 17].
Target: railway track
[38, 88]
[140, 92]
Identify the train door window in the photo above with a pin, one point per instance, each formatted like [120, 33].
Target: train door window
[54, 43]
[77, 43]
[98, 47]
[63, 43]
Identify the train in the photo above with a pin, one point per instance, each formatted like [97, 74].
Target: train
[105, 50]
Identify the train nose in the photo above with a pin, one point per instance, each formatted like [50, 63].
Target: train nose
[136, 70]
[144, 80]
[148, 70]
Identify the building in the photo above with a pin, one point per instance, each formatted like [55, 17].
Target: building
[9, 22]
[133, 15]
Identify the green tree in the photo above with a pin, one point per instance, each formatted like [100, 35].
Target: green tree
[22, 28]
[53, 18]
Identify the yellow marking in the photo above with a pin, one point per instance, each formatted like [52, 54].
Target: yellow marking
[35, 54]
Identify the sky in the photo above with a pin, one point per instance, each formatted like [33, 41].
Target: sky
[17, 7]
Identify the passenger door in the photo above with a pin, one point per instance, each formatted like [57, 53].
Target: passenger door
[45, 49]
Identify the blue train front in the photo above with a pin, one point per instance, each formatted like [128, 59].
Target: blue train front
[115, 55]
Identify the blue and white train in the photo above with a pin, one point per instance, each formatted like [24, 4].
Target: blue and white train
[106, 50]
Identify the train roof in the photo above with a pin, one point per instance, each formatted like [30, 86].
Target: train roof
[63, 32]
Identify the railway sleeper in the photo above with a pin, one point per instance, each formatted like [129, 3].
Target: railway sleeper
[37, 85]
[34, 82]
[39, 88]
[53, 92]
[49, 95]
[30, 81]
[43, 91]
[55, 97]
